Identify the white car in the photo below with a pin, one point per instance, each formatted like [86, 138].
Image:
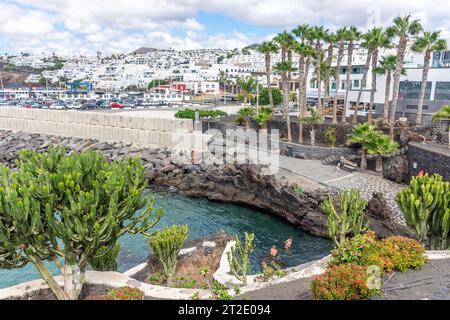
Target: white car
[57, 106]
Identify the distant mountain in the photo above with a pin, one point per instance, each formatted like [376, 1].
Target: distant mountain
[253, 46]
[143, 50]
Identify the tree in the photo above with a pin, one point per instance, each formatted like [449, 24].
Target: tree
[42, 81]
[363, 134]
[340, 37]
[387, 67]
[284, 67]
[426, 44]
[380, 145]
[277, 96]
[352, 35]
[157, 82]
[305, 51]
[247, 86]
[263, 116]
[444, 113]
[311, 122]
[381, 40]
[245, 114]
[318, 33]
[69, 206]
[267, 48]
[331, 39]
[404, 28]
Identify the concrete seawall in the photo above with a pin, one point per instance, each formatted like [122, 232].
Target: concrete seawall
[158, 132]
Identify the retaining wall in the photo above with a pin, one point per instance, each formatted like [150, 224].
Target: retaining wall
[105, 126]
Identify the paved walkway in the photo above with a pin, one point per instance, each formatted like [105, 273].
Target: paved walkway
[431, 282]
[367, 183]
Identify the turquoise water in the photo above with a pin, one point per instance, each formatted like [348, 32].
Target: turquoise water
[205, 218]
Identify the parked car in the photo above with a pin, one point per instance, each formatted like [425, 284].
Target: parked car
[117, 105]
[90, 105]
[57, 106]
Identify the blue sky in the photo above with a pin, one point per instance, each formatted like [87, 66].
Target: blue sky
[114, 26]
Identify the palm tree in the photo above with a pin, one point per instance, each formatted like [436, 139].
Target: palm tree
[331, 39]
[368, 39]
[404, 28]
[444, 113]
[283, 68]
[340, 37]
[427, 43]
[352, 35]
[381, 40]
[304, 51]
[362, 134]
[267, 48]
[380, 145]
[264, 115]
[319, 33]
[311, 122]
[245, 114]
[247, 86]
[284, 40]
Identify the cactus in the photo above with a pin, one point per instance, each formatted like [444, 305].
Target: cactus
[239, 257]
[69, 206]
[105, 260]
[166, 244]
[425, 203]
[349, 219]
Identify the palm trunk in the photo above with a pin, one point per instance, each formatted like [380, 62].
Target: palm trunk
[363, 159]
[386, 97]
[398, 71]
[373, 88]
[379, 165]
[423, 88]
[312, 133]
[347, 80]
[305, 83]
[338, 80]
[362, 85]
[286, 106]
[269, 87]
[326, 81]
[319, 81]
[301, 76]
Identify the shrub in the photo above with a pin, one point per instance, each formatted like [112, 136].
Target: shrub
[348, 219]
[351, 250]
[330, 136]
[126, 293]
[270, 271]
[157, 278]
[395, 253]
[220, 291]
[345, 282]
[166, 244]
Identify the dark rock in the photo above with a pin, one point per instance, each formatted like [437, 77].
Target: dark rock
[396, 169]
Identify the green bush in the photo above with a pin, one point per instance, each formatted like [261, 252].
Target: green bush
[277, 96]
[330, 136]
[351, 250]
[166, 244]
[344, 282]
[206, 114]
[126, 293]
[425, 203]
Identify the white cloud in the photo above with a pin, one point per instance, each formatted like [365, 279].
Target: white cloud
[80, 26]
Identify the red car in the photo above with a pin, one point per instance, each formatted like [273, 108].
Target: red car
[27, 105]
[117, 105]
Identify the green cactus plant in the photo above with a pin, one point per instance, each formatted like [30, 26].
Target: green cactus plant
[239, 257]
[425, 203]
[348, 219]
[166, 244]
[69, 206]
[105, 260]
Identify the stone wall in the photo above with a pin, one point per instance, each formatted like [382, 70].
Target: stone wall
[105, 126]
[316, 153]
[428, 159]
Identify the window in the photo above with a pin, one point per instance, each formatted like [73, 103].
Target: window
[415, 107]
[355, 84]
[442, 91]
[411, 90]
[333, 85]
[343, 85]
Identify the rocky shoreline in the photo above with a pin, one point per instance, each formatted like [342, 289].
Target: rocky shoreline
[204, 176]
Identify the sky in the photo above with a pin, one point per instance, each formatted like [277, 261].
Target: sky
[121, 26]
